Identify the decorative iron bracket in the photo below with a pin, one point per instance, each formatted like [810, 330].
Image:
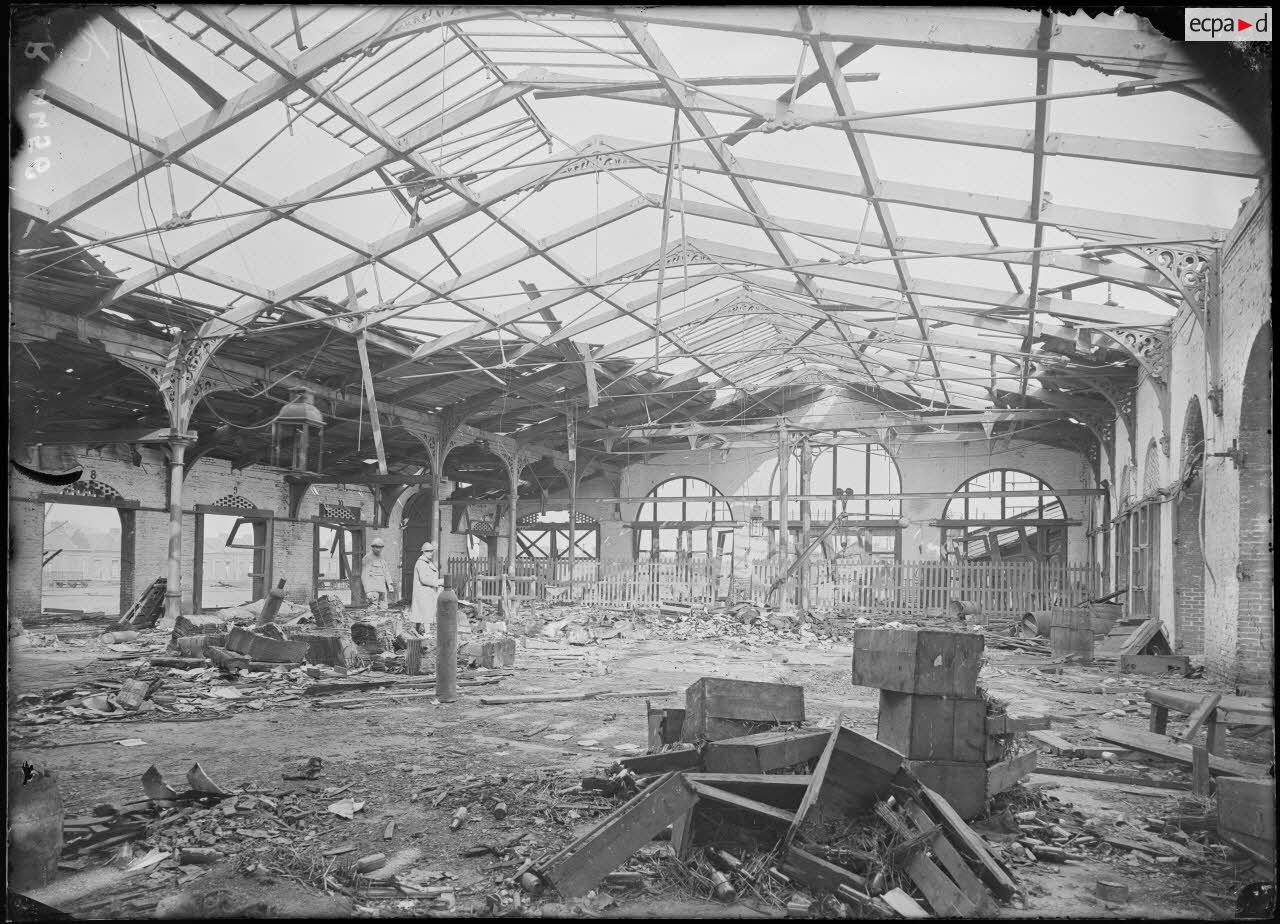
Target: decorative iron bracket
[178, 376]
[1192, 271]
[1148, 345]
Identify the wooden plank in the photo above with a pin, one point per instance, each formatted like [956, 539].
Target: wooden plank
[815, 784]
[943, 895]
[765, 751]
[730, 780]
[818, 873]
[903, 904]
[1155, 665]
[1161, 746]
[1118, 778]
[1054, 743]
[371, 399]
[1005, 774]
[579, 868]
[1202, 711]
[733, 799]
[948, 856]
[682, 833]
[687, 759]
[1144, 636]
[991, 871]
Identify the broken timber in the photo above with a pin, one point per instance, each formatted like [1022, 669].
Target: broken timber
[1161, 746]
[579, 868]
[764, 751]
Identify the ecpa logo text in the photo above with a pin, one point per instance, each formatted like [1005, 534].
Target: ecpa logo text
[1215, 24]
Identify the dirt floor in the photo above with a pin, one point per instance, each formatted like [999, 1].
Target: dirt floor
[398, 757]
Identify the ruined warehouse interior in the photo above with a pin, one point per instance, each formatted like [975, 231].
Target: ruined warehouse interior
[638, 462]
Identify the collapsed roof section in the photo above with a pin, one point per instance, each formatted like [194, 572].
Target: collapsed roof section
[667, 216]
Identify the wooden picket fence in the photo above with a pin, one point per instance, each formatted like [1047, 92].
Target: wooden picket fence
[903, 588]
[892, 588]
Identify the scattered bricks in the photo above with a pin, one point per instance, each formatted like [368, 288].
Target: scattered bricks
[327, 611]
[370, 863]
[922, 727]
[718, 708]
[928, 661]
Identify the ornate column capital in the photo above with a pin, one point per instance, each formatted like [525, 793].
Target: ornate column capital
[179, 376]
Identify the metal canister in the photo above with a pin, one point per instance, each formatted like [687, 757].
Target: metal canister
[447, 643]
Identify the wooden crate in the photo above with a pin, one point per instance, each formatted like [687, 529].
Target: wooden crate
[765, 751]
[1247, 816]
[922, 727]
[665, 726]
[930, 661]
[853, 773]
[1076, 640]
[967, 785]
[961, 783]
[718, 708]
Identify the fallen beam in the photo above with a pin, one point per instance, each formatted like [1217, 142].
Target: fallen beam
[579, 868]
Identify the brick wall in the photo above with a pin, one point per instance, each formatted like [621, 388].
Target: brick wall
[1207, 596]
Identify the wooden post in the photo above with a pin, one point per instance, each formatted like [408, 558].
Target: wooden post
[806, 470]
[173, 585]
[783, 526]
[374, 423]
[1201, 784]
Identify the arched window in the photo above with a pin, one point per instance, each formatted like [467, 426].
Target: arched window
[545, 537]
[684, 525]
[837, 469]
[980, 528]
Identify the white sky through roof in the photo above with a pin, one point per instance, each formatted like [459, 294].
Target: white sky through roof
[114, 82]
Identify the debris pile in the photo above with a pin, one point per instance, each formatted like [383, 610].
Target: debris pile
[811, 820]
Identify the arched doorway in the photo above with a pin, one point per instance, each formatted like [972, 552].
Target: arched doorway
[1255, 632]
[1188, 551]
[415, 529]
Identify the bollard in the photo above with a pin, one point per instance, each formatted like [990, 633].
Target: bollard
[447, 643]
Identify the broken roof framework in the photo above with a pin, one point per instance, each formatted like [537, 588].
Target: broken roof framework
[737, 234]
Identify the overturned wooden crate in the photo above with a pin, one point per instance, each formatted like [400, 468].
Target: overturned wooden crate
[945, 860]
